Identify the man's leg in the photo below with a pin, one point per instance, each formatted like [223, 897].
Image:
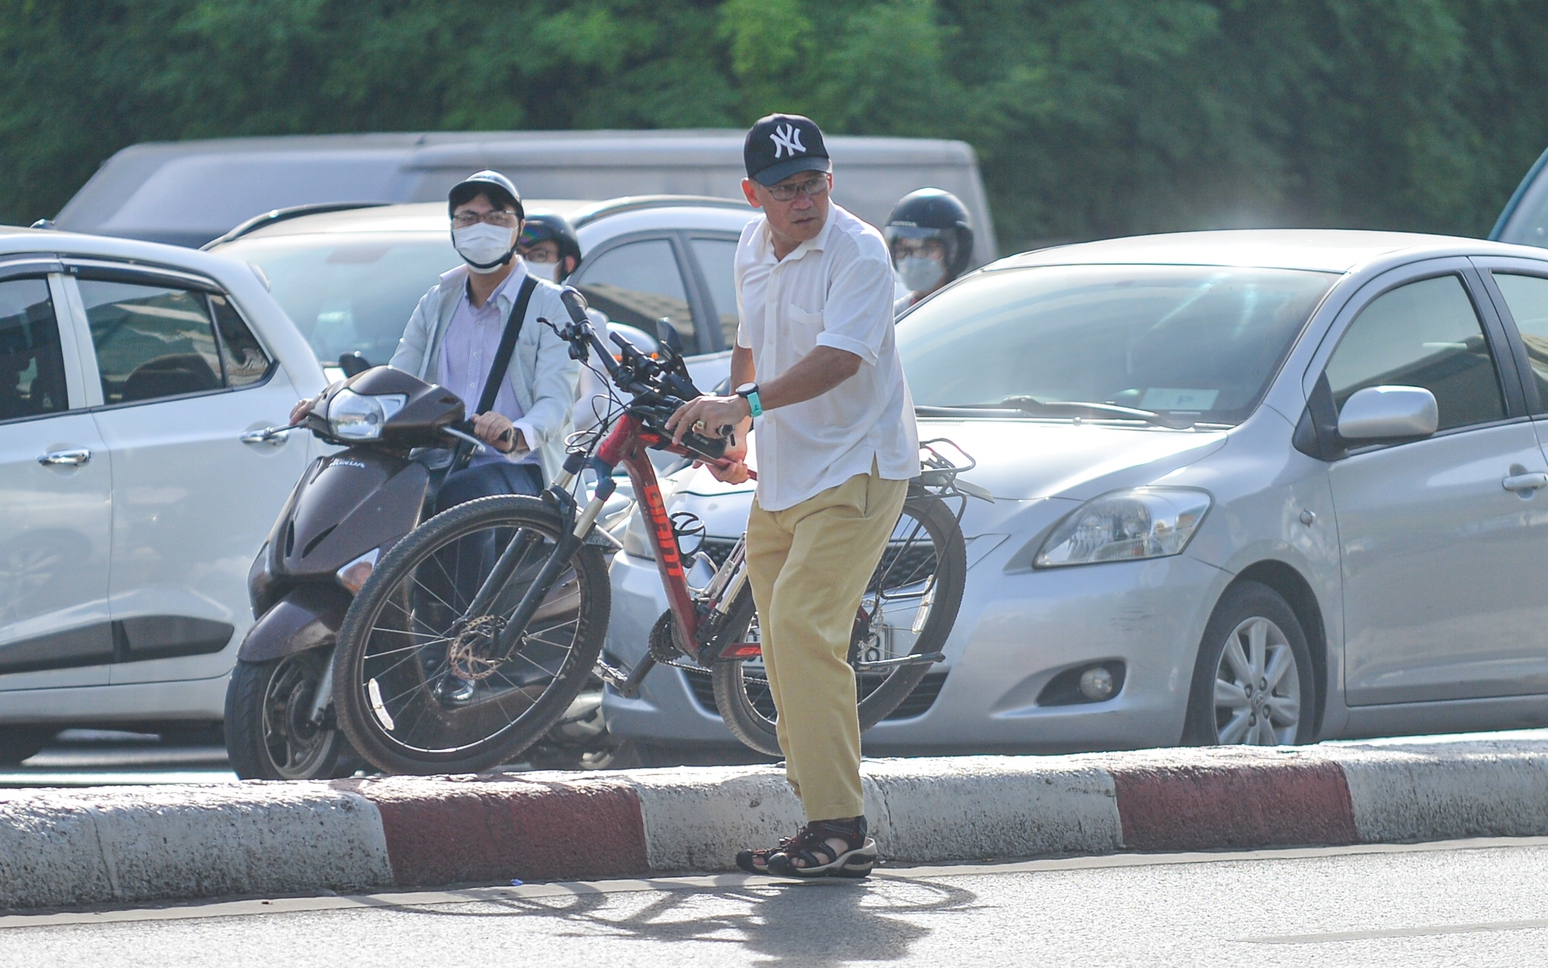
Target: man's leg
[488, 480]
[464, 565]
[768, 545]
[837, 538]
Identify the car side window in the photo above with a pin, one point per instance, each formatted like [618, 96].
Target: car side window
[32, 376]
[717, 259]
[243, 358]
[637, 283]
[1424, 334]
[1527, 299]
[156, 341]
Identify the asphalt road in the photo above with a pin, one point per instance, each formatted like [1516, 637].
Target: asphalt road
[82, 757]
[1462, 903]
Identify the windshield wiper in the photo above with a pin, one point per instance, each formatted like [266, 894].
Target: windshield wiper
[1026, 404]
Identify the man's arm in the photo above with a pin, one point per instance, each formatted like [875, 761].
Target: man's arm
[812, 375]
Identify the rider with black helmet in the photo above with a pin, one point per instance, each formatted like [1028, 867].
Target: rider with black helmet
[930, 235]
[549, 245]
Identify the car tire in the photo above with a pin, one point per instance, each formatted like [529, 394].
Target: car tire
[18, 743]
[265, 739]
[1228, 703]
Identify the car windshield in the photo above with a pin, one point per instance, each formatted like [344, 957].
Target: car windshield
[1180, 344]
[349, 293]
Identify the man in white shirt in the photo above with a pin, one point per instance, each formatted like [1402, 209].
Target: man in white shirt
[817, 372]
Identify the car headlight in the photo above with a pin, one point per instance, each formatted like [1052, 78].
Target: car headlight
[1142, 522]
[354, 416]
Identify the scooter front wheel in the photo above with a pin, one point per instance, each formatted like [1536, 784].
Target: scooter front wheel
[269, 730]
[424, 686]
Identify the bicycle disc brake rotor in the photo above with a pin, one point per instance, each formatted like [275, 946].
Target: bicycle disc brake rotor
[468, 654]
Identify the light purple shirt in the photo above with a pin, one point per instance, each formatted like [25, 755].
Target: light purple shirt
[468, 350]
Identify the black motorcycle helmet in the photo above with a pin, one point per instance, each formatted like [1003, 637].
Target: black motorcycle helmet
[542, 226]
[933, 213]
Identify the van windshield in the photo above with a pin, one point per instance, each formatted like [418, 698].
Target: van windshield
[1185, 344]
[349, 293]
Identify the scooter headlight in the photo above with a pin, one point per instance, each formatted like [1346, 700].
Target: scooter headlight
[1142, 522]
[354, 416]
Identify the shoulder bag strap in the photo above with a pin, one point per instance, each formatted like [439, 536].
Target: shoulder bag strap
[502, 357]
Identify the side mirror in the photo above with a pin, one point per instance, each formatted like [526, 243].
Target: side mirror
[668, 336]
[1380, 413]
[352, 363]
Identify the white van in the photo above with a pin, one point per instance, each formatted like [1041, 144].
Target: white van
[190, 192]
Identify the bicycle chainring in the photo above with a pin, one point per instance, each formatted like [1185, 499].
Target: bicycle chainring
[666, 645]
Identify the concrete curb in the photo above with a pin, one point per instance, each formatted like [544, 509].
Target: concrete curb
[117, 845]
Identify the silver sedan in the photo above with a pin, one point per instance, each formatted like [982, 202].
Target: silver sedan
[1251, 487]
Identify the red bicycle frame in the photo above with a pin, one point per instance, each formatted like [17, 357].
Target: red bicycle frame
[627, 444]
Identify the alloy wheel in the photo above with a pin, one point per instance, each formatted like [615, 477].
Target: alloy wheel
[1257, 686]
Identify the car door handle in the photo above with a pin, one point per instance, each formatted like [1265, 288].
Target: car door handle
[65, 458]
[273, 436]
[1525, 482]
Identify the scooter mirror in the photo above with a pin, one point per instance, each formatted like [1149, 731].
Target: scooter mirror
[352, 363]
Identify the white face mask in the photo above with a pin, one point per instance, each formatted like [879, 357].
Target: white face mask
[920, 273]
[483, 246]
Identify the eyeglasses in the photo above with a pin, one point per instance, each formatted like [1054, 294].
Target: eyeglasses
[499, 217]
[811, 188]
[933, 248]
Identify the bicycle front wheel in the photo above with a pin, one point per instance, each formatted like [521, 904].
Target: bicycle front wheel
[422, 686]
[908, 609]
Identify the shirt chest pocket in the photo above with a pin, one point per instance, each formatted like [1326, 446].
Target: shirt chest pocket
[804, 328]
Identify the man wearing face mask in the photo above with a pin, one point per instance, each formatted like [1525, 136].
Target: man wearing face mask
[931, 238]
[455, 333]
[549, 246]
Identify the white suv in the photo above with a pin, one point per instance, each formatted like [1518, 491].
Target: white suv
[132, 493]
[349, 276]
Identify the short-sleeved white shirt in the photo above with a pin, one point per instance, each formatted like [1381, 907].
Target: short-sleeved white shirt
[835, 290]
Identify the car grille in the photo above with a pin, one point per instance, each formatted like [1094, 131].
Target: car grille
[905, 564]
[916, 703]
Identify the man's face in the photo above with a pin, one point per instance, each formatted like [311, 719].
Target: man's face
[543, 257]
[796, 207]
[904, 248]
[480, 209]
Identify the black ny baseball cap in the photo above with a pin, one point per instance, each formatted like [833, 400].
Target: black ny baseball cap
[780, 145]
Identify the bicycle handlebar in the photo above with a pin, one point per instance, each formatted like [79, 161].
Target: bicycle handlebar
[659, 389]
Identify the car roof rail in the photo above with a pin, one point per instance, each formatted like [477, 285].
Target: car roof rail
[634, 203]
[284, 214]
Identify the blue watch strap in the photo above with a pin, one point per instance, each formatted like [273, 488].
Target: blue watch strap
[749, 392]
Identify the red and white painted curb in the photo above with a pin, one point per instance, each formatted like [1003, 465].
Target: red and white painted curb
[70, 848]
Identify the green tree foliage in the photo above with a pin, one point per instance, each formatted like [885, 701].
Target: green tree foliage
[1091, 117]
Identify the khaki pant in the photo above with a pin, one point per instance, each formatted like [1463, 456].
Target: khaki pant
[809, 566]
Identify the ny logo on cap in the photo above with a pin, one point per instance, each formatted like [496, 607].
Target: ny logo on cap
[787, 139]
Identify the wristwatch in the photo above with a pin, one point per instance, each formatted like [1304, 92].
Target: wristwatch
[749, 392]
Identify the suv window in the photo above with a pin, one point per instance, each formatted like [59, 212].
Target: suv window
[1527, 299]
[637, 283]
[32, 379]
[717, 258]
[154, 341]
[1424, 334]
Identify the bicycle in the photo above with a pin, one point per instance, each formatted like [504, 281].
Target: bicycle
[525, 624]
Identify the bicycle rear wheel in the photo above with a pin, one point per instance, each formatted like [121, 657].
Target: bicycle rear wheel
[421, 687]
[908, 609]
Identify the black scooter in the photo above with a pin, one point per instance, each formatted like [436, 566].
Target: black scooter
[347, 510]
